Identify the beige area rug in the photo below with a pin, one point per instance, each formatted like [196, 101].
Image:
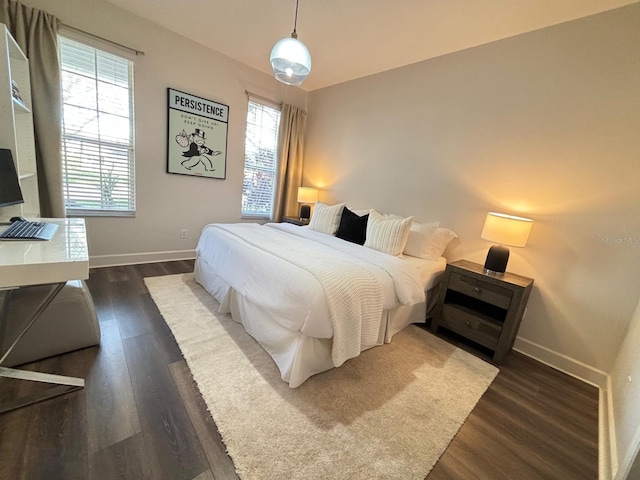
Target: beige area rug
[388, 414]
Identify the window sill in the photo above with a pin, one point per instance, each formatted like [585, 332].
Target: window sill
[255, 217]
[98, 213]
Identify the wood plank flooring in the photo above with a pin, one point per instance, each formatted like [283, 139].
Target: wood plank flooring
[141, 417]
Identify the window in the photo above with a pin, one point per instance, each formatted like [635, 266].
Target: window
[97, 131]
[260, 159]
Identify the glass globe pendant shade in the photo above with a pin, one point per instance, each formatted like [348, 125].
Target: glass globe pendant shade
[290, 61]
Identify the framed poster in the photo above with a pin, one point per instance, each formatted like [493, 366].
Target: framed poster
[197, 136]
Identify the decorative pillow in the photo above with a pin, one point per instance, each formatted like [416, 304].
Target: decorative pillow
[419, 241]
[432, 242]
[353, 227]
[326, 218]
[388, 235]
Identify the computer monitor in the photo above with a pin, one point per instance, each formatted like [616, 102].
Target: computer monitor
[10, 193]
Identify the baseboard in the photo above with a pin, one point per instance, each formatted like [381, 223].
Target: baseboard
[607, 450]
[135, 258]
[607, 459]
[561, 362]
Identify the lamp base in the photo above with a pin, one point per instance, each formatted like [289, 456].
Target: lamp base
[497, 259]
[305, 212]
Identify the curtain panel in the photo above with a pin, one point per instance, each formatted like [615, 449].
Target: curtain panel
[36, 32]
[290, 160]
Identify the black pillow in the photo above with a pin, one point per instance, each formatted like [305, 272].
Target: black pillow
[352, 227]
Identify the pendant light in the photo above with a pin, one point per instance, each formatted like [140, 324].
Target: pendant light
[290, 59]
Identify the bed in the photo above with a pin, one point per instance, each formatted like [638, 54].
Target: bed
[312, 300]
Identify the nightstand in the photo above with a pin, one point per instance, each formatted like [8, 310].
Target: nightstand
[295, 221]
[486, 309]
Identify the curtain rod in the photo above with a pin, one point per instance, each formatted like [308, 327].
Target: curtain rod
[129, 49]
[263, 98]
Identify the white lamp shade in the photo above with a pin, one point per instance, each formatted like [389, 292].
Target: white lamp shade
[507, 229]
[290, 61]
[307, 195]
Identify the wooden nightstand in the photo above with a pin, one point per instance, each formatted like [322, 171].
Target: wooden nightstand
[295, 221]
[486, 309]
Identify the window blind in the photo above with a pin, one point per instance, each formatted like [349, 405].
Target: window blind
[260, 159]
[97, 131]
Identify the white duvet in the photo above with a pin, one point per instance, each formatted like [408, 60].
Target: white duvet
[267, 264]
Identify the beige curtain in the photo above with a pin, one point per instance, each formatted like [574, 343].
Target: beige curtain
[36, 32]
[290, 153]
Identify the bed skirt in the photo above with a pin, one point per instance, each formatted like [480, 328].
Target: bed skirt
[299, 356]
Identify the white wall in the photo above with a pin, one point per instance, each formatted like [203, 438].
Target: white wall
[543, 125]
[167, 203]
[625, 394]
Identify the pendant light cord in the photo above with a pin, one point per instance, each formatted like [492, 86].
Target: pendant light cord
[295, 22]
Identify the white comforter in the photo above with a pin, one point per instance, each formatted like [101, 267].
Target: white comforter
[271, 270]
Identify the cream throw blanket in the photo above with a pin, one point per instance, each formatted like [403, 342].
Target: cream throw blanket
[353, 294]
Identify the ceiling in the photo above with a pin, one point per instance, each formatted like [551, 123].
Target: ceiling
[350, 39]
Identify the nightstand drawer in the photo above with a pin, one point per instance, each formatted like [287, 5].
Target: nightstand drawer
[470, 326]
[498, 296]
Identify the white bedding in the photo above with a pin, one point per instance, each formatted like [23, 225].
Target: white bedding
[352, 289]
[281, 286]
[428, 270]
[233, 266]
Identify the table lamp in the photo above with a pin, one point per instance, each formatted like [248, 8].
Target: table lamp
[306, 196]
[505, 230]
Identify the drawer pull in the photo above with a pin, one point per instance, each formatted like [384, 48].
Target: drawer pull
[477, 290]
[468, 323]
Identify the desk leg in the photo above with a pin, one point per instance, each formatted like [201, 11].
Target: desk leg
[64, 384]
[43, 304]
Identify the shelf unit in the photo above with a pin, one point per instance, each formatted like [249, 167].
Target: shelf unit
[16, 119]
[485, 309]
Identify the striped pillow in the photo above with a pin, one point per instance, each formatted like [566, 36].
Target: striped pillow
[326, 218]
[388, 235]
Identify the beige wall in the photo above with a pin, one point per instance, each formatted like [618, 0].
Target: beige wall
[168, 203]
[544, 125]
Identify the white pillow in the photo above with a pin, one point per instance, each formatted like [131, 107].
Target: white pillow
[440, 240]
[388, 235]
[326, 218]
[418, 243]
[431, 244]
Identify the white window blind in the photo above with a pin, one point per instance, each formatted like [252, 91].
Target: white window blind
[97, 131]
[260, 159]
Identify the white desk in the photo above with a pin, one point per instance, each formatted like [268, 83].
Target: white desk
[26, 263]
[65, 257]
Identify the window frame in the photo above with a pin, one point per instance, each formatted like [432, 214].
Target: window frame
[131, 190]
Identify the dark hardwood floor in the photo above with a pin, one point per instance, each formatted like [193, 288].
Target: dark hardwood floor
[140, 416]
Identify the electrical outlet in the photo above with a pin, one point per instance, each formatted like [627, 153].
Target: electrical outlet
[183, 233]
